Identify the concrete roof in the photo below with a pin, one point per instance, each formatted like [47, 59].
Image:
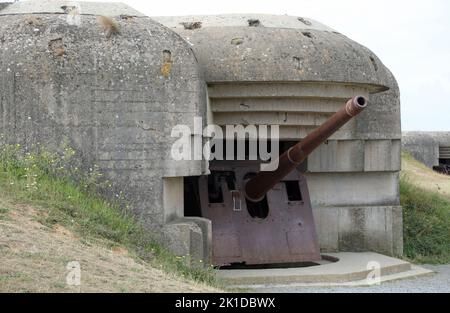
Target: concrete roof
[416, 136]
[259, 47]
[241, 20]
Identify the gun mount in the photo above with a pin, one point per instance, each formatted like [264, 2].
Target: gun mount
[266, 217]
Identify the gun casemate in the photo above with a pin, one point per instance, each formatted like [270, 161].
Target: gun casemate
[266, 217]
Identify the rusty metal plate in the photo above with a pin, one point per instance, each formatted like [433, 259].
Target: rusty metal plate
[287, 234]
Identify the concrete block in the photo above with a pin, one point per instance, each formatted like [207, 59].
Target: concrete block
[327, 228]
[382, 155]
[378, 230]
[360, 228]
[185, 239]
[353, 189]
[397, 230]
[351, 234]
[173, 198]
[338, 156]
[206, 227]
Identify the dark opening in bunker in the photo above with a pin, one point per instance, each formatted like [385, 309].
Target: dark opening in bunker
[215, 181]
[258, 209]
[192, 205]
[215, 193]
[293, 190]
[325, 259]
[243, 265]
[444, 161]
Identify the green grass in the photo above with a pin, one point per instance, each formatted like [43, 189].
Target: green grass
[42, 180]
[426, 222]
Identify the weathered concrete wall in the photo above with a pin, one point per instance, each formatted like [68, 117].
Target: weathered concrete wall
[360, 228]
[4, 5]
[424, 146]
[296, 72]
[112, 88]
[359, 189]
[356, 156]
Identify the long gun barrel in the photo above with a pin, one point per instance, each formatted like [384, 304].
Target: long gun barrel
[259, 185]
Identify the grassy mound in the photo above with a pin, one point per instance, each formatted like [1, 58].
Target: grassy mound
[426, 215]
[42, 180]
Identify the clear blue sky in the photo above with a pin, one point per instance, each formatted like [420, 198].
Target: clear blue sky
[411, 37]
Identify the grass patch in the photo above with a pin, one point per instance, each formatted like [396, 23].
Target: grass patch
[45, 181]
[4, 214]
[426, 222]
[9, 276]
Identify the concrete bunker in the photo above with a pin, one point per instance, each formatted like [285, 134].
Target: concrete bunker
[430, 148]
[296, 72]
[111, 83]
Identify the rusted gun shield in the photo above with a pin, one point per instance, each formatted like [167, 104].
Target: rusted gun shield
[285, 233]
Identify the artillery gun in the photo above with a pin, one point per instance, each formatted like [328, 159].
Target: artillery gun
[265, 217]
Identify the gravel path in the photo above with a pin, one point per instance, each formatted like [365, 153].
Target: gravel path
[439, 282]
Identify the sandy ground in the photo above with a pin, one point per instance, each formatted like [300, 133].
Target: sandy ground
[34, 258]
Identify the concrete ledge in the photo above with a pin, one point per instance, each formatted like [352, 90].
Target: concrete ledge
[351, 269]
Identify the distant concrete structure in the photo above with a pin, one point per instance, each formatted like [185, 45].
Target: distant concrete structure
[430, 148]
[296, 72]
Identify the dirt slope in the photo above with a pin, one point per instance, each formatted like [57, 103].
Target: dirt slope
[33, 258]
